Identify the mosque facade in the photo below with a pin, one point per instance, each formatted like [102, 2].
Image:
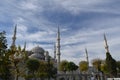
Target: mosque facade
[41, 54]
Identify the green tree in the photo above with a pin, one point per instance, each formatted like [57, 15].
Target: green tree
[83, 66]
[111, 64]
[33, 65]
[104, 68]
[67, 66]
[46, 70]
[17, 58]
[3, 44]
[97, 64]
[4, 58]
[63, 65]
[51, 70]
[71, 66]
[42, 70]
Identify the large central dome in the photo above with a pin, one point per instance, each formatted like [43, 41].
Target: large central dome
[38, 53]
[38, 50]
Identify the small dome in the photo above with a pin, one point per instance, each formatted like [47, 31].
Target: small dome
[38, 50]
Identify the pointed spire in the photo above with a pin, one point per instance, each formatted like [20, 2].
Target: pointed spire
[87, 56]
[14, 36]
[58, 33]
[54, 51]
[24, 46]
[106, 44]
[58, 47]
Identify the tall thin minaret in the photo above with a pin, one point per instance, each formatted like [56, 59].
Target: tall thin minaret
[24, 46]
[106, 44]
[55, 51]
[14, 37]
[58, 47]
[86, 52]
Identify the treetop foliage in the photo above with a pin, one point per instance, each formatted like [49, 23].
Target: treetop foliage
[67, 66]
[83, 66]
[111, 64]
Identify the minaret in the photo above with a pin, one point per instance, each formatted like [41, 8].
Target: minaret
[87, 56]
[55, 51]
[14, 37]
[58, 47]
[24, 46]
[106, 44]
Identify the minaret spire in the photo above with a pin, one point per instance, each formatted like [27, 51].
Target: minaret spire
[106, 44]
[24, 46]
[58, 47]
[14, 36]
[54, 51]
[86, 52]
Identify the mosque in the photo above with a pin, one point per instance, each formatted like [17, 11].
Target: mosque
[41, 54]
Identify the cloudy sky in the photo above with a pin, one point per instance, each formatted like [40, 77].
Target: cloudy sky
[82, 24]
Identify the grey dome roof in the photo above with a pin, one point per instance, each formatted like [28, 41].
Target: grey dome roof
[38, 50]
[37, 56]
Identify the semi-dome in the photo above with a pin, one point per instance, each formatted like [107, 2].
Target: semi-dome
[38, 50]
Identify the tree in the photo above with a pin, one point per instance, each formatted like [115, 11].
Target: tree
[83, 66]
[118, 66]
[63, 65]
[97, 64]
[42, 71]
[51, 70]
[111, 64]
[33, 65]
[104, 68]
[67, 66]
[17, 58]
[3, 44]
[71, 66]
[46, 70]
[4, 58]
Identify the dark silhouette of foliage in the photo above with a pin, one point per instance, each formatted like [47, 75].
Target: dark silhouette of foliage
[118, 66]
[71, 66]
[4, 58]
[32, 65]
[111, 65]
[67, 66]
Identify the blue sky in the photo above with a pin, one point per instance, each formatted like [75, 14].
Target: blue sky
[82, 24]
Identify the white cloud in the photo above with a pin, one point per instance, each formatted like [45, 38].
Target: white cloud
[28, 5]
[78, 6]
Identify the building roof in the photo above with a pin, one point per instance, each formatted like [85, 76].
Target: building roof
[37, 56]
[38, 49]
[37, 53]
